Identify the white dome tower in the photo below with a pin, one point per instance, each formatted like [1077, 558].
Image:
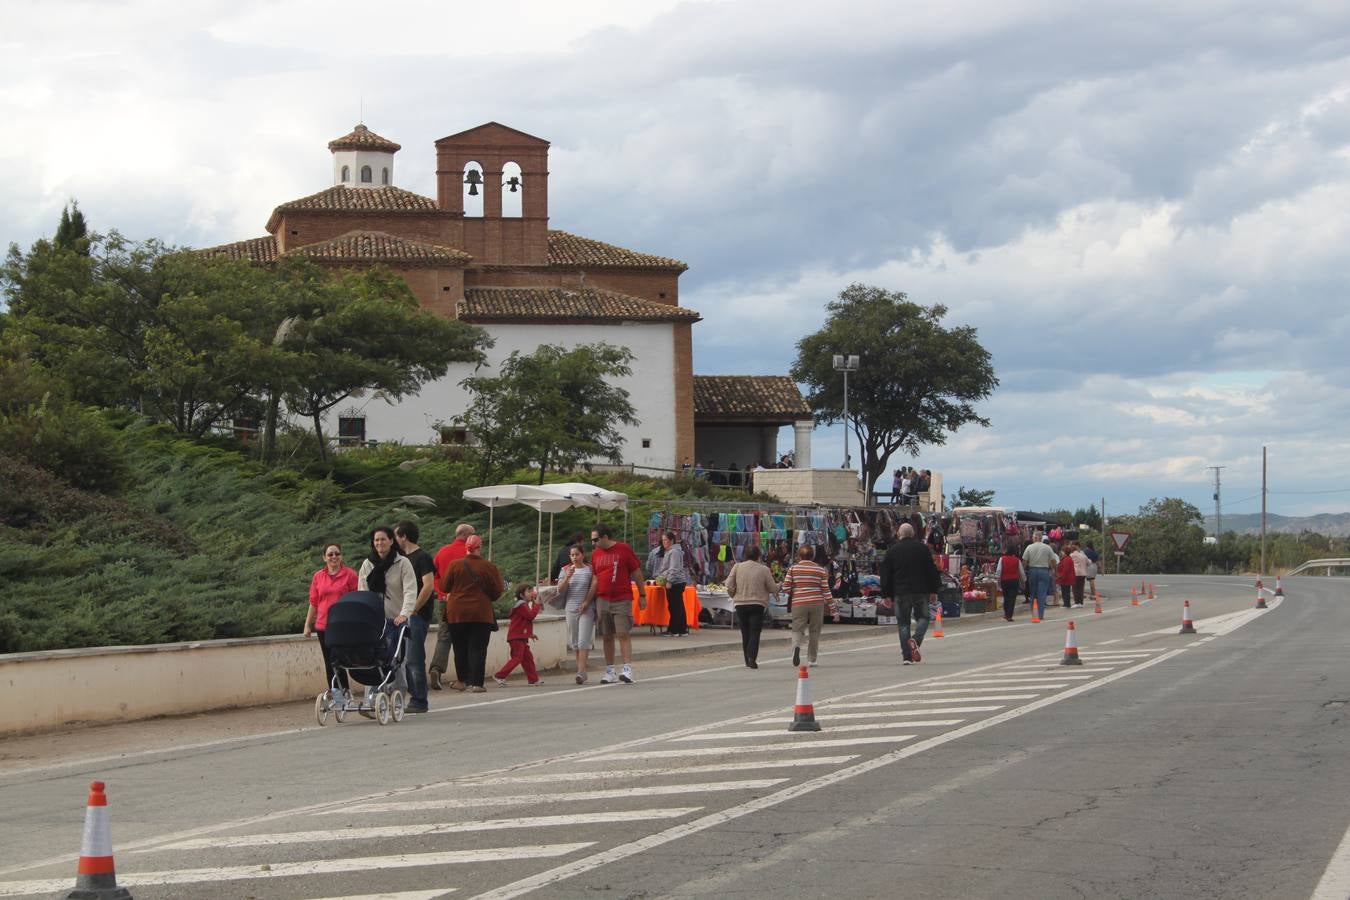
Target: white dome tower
[363, 159]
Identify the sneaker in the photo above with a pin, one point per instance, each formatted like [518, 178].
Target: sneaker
[457, 686]
[477, 689]
[416, 708]
[539, 683]
[626, 676]
[609, 677]
[501, 681]
[908, 662]
[434, 679]
[796, 657]
[581, 678]
[811, 663]
[914, 654]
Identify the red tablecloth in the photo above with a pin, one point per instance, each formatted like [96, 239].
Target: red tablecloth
[657, 612]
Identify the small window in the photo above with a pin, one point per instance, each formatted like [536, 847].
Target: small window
[366, 177]
[662, 295]
[346, 174]
[384, 175]
[351, 431]
[646, 443]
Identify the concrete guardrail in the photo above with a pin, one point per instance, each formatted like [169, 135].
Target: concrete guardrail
[55, 688]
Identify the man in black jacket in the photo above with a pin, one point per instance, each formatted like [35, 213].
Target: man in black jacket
[910, 578]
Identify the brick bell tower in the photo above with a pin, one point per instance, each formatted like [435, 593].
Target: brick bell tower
[497, 178]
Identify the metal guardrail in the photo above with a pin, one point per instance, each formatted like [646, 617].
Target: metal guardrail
[1328, 564]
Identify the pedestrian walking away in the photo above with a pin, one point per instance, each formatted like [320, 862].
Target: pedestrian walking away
[911, 579]
[1040, 560]
[1011, 574]
[1064, 577]
[750, 584]
[616, 571]
[440, 658]
[807, 585]
[471, 585]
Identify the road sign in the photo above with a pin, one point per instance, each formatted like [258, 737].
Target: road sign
[1120, 538]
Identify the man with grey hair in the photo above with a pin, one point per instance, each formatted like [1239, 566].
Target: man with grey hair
[455, 550]
[911, 580]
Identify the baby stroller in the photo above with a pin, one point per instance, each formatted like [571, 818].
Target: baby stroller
[369, 648]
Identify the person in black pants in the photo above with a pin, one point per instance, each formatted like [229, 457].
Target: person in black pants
[673, 571]
[750, 584]
[909, 576]
[1010, 577]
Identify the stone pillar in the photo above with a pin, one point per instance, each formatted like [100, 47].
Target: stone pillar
[802, 445]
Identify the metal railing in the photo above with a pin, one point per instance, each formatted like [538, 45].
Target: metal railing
[1328, 564]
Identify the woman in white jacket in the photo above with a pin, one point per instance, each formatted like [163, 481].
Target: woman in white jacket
[387, 573]
[750, 584]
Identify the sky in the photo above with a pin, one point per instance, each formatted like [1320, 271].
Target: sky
[1142, 207]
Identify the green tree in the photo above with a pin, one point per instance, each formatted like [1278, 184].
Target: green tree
[72, 233]
[553, 408]
[1168, 536]
[965, 496]
[918, 380]
[362, 331]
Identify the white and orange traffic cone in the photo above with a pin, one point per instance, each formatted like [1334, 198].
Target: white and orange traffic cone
[1071, 647]
[96, 876]
[804, 713]
[937, 626]
[1260, 595]
[1187, 626]
[1279, 588]
[1150, 591]
[1035, 613]
[1134, 597]
[1096, 601]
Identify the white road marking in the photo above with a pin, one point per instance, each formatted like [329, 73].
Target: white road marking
[876, 726]
[808, 742]
[889, 713]
[401, 895]
[1023, 670]
[1025, 682]
[830, 706]
[306, 867]
[405, 831]
[1335, 881]
[650, 842]
[554, 777]
[654, 790]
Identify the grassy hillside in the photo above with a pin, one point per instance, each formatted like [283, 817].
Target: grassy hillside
[207, 544]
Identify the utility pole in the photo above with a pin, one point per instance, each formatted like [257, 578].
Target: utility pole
[1218, 506]
[1105, 538]
[1263, 512]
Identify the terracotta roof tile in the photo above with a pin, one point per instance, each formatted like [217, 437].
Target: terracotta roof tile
[486, 304]
[362, 138]
[749, 396]
[359, 247]
[566, 249]
[254, 250]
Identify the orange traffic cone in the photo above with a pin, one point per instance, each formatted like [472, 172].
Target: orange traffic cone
[1035, 612]
[1260, 595]
[96, 876]
[1096, 601]
[1071, 647]
[1150, 591]
[804, 713]
[1279, 588]
[1134, 597]
[1187, 626]
[937, 627]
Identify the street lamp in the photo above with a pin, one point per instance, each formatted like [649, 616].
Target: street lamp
[846, 364]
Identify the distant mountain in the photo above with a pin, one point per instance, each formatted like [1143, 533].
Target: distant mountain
[1329, 524]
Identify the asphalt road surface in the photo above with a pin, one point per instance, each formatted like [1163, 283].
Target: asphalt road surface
[1206, 765]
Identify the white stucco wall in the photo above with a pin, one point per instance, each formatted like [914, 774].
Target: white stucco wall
[413, 420]
[355, 159]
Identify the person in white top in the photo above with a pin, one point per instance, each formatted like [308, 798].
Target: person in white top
[1040, 560]
[1080, 571]
[574, 584]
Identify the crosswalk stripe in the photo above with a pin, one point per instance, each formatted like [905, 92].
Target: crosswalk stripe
[555, 777]
[875, 726]
[400, 895]
[400, 831]
[978, 698]
[654, 790]
[306, 867]
[879, 713]
[808, 739]
[1021, 670]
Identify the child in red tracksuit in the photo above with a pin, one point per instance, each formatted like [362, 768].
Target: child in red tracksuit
[519, 635]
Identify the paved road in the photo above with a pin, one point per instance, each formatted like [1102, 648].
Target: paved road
[1212, 765]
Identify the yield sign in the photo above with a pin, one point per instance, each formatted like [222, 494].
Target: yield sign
[1120, 538]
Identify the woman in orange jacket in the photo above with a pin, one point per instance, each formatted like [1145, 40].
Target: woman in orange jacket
[1064, 576]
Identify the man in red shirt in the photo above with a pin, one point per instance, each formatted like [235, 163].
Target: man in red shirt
[616, 569]
[455, 550]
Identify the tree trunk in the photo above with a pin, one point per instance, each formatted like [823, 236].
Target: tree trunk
[269, 438]
[318, 434]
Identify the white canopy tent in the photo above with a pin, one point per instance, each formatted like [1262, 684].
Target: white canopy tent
[544, 498]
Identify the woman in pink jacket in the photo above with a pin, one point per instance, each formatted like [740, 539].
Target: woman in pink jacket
[327, 585]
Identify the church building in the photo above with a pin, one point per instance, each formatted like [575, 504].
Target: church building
[483, 251]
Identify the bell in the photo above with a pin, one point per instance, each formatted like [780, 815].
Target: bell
[514, 182]
[473, 179]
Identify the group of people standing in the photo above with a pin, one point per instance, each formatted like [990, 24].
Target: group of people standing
[907, 483]
[1041, 567]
